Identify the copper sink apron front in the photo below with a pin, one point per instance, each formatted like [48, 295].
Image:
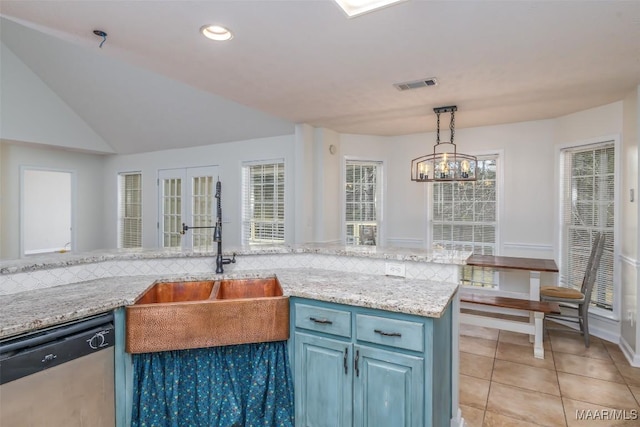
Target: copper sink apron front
[237, 311]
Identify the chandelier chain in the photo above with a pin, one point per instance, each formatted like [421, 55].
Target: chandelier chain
[438, 128]
[452, 125]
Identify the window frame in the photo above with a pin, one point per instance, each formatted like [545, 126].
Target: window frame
[490, 277]
[614, 313]
[246, 204]
[122, 208]
[379, 205]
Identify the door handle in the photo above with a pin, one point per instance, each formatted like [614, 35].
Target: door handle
[344, 360]
[356, 363]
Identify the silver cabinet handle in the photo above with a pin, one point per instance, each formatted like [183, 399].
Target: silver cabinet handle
[387, 334]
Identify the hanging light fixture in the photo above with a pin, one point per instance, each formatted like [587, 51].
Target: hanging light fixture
[445, 164]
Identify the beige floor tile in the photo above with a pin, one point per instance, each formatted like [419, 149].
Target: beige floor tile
[479, 332]
[631, 375]
[615, 353]
[588, 367]
[525, 376]
[473, 417]
[520, 339]
[473, 392]
[574, 344]
[476, 366]
[530, 406]
[479, 346]
[598, 392]
[492, 419]
[582, 414]
[523, 354]
[636, 392]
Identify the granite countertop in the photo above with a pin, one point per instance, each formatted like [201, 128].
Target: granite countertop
[26, 311]
[56, 260]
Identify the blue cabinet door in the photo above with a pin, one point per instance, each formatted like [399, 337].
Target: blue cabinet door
[323, 381]
[388, 389]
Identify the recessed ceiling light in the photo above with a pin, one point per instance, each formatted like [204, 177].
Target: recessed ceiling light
[216, 32]
[358, 7]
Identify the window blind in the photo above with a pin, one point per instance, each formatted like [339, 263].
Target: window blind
[361, 202]
[130, 210]
[464, 217]
[263, 207]
[588, 193]
[202, 213]
[171, 212]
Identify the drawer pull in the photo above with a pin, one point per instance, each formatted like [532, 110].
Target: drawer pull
[322, 321]
[387, 334]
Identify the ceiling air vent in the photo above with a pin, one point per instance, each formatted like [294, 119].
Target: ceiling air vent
[416, 84]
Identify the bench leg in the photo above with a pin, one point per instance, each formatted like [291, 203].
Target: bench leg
[534, 294]
[538, 348]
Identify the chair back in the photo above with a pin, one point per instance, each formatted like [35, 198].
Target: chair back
[592, 267]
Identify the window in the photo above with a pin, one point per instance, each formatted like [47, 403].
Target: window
[362, 202]
[263, 210]
[130, 210]
[588, 190]
[187, 196]
[464, 217]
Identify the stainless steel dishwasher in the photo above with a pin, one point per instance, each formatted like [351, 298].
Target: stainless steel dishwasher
[62, 376]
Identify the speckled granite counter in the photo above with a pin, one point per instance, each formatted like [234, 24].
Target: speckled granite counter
[57, 260]
[25, 311]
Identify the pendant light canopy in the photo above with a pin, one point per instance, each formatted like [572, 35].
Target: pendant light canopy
[445, 163]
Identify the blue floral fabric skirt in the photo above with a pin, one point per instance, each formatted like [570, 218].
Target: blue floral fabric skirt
[240, 385]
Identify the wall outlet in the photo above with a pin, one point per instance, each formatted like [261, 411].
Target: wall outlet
[394, 269]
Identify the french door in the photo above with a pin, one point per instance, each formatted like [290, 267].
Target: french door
[187, 196]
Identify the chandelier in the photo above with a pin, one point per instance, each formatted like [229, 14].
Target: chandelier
[445, 163]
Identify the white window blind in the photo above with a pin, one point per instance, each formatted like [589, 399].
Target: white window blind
[588, 192]
[464, 217]
[362, 195]
[263, 207]
[171, 212]
[130, 210]
[202, 212]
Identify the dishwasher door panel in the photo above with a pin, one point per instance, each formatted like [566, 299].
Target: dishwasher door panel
[78, 393]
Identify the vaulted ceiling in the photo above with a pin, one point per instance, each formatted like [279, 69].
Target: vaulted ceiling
[157, 83]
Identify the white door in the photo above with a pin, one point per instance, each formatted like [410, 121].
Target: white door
[187, 196]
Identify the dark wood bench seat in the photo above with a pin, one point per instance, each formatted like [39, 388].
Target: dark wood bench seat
[497, 304]
[515, 303]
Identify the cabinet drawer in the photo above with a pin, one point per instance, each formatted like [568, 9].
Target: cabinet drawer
[336, 322]
[391, 332]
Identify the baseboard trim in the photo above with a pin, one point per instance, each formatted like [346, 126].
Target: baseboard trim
[629, 353]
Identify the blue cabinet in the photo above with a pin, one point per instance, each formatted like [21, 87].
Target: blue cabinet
[322, 381]
[364, 367]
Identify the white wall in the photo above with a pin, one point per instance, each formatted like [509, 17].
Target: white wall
[629, 248]
[32, 112]
[88, 169]
[527, 153]
[228, 157]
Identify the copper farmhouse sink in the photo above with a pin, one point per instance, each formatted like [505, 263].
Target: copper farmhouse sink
[196, 314]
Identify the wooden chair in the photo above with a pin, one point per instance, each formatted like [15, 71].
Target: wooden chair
[574, 299]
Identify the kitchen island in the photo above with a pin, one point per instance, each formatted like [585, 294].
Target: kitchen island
[327, 275]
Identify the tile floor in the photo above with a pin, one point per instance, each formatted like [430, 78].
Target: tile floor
[502, 384]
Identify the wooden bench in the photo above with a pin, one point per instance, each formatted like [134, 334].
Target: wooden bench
[515, 306]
